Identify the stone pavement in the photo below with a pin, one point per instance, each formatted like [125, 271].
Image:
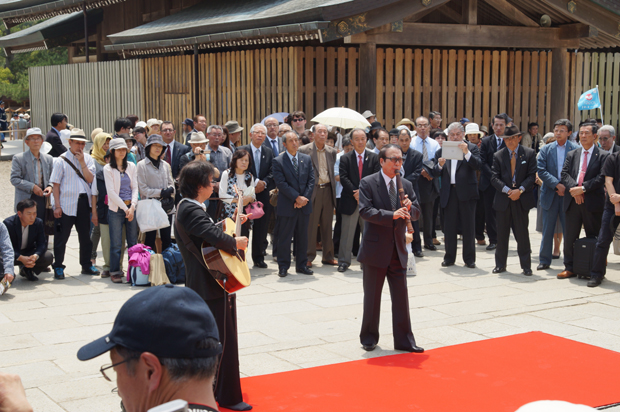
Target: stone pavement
[300, 321]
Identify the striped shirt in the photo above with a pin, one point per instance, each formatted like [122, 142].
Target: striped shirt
[220, 158]
[71, 185]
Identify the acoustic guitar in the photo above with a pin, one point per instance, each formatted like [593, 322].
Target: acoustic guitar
[231, 272]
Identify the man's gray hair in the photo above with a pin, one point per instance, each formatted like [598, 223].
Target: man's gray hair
[455, 126]
[608, 128]
[258, 125]
[214, 126]
[316, 126]
[284, 126]
[357, 129]
[290, 132]
[420, 117]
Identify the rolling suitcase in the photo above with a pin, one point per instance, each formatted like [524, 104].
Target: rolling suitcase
[583, 256]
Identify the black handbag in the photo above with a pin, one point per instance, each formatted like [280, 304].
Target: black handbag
[48, 223]
[167, 204]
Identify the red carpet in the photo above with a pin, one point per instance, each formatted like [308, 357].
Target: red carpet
[491, 375]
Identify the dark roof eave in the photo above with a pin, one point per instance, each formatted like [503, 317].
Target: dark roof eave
[53, 8]
[218, 37]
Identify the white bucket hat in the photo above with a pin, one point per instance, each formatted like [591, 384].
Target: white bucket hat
[197, 138]
[472, 128]
[34, 131]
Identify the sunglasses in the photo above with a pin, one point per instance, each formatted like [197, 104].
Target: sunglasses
[299, 119]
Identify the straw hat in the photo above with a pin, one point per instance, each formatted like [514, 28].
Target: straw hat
[197, 138]
[78, 135]
[472, 128]
[405, 121]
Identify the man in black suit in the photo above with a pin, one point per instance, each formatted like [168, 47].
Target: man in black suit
[607, 138]
[412, 170]
[354, 166]
[59, 122]
[261, 158]
[294, 177]
[28, 239]
[173, 152]
[513, 178]
[383, 251]
[490, 145]
[459, 192]
[273, 142]
[193, 227]
[585, 200]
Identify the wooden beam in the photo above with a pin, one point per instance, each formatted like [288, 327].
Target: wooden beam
[368, 76]
[463, 35]
[512, 12]
[577, 31]
[588, 13]
[469, 11]
[349, 26]
[450, 13]
[559, 79]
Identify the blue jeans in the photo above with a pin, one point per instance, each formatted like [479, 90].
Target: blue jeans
[550, 218]
[116, 220]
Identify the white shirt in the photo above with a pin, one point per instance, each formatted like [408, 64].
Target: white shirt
[70, 184]
[387, 180]
[583, 154]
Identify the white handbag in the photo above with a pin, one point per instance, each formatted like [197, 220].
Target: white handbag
[151, 216]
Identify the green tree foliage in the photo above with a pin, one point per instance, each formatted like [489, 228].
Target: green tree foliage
[14, 70]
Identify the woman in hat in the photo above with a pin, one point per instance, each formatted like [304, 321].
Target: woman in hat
[121, 183]
[155, 182]
[153, 126]
[101, 142]
[237, 177]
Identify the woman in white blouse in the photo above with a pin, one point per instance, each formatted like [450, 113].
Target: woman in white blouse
[237, 175]
[121, 183]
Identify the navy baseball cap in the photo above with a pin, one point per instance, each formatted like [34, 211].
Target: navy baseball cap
[168, 321]
[189, 122]
[464, 120]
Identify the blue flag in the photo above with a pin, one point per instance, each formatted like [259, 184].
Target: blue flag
[589, 100]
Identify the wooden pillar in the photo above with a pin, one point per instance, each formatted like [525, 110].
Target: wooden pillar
[559, 81]
[368, 77]
[469, 11]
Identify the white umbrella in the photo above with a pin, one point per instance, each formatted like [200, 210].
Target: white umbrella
[341, 117]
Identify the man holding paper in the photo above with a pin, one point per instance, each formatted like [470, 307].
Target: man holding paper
[457, 162]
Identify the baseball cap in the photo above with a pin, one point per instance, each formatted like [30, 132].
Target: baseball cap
[168, 321]
[189, 122]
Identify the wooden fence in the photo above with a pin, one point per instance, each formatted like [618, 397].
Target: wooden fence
[91, 95]
[248, 85]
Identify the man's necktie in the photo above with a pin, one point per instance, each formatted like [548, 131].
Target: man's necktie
[295, 166]
[584, 167]
[274, 146]
[393, 197]
[513, 165]
[360, 165]
[424, 151]
[167, 156]
[257, 160]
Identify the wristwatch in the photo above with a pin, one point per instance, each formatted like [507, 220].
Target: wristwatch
[521, 191]
[583, 188]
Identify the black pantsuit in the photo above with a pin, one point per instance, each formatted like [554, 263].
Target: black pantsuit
[517, 219]
[605, 237]
[576, 216]
[458, 215]
[480, 217]
[82, 226]
[288, 226]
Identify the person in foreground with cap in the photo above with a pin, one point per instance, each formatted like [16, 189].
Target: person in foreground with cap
[31, 172]
[513, 176]
[194, 226]
[72, 176]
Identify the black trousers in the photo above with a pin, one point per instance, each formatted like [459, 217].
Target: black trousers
[458, 216]
[288, 227]
[164, 235]
[576, 215]
[427, 221]
[436, 209]
[40, 201]
[373, 280]
[337, 227]
[480, 217]
[605, 237]
[489, 214]
[228, 385]
[259, 234]
[42, 263]
[63, 231]
[517, 218]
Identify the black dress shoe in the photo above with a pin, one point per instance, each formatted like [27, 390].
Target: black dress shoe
[445, 263]
[343, 267]
[527, 272]
[414, 349]
[241, 406]
[430, 247]
[542, 266]
[305, 271]
[594, 282]
[470, 265]
[261, 265]
[369, 348]
[499, 270]
[492, 246]
[282, 273]
[418, 254]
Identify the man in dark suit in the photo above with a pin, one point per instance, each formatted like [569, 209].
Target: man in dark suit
[585, 200]
[59, 122]
[273, 141]
[607, 138]
[323, 195]
[193, 227]
[383, 250]
[412, 170]
[354, 166]
[489, 146]
[30, 252]
[261, 158]
[513, 177]
[174, 150]
[459, 192]
[294, 177]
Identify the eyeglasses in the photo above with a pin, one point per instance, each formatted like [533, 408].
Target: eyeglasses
[167, 130]
[299, 119]
[110, 375]
[261, 133]
[396, 159]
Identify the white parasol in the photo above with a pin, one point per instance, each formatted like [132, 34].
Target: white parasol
[341, 117]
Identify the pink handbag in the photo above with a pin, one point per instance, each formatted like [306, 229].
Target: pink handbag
[256, 210]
